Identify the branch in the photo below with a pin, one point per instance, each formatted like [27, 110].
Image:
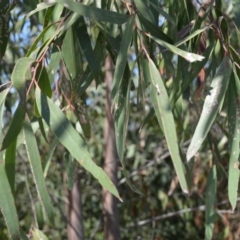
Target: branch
[172, 214]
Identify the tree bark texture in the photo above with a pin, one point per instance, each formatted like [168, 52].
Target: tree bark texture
[110, 211]
[75, 229]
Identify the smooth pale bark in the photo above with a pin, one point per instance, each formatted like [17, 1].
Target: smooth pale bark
[110, 211]
[75, 229]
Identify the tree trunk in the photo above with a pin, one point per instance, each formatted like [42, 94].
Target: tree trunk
[75, 229]
[110, 211]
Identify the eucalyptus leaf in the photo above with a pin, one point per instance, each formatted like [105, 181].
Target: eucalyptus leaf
[37, 171]
[161, 105]
[93, 12]
[7, 204]
[211, 106]
[210, 212]
[71, 139]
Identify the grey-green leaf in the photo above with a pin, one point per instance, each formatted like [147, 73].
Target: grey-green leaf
[15, 127]
[71, 139]
[234, 138]
[210, 202]
[37, 171]
[122, 58]
[211, 106]
[191, 57]
[21, 73]
[161, 104]
[93, 12]
[7, 205]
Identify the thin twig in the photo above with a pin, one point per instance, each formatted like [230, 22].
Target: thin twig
[172, 214]
[150, 164]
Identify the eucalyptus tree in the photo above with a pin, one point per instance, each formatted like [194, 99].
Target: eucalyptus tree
[188, 67]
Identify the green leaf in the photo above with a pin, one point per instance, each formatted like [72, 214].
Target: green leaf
[86, 46]
[36, 167]
[144, 9]
[210, 201]
[234, 138]
[39, 39]
[21, 73]
[187, 80]
[122, 58]
[191, 57]
[69, 54]
[154, 30]
[88, 77]
[3, 96]
[192, 35]
[41, 127]
[53, 64]
[70, 165]
[40, 7]
[161, 104]
[121, 115]
[163, 13]
[94, 13]
[43, 81]
[48, 158]
[80, 110]
[10, 157]
[7, 204]
[15, 127]
[211, 106]
[59, 31]
[71, 139]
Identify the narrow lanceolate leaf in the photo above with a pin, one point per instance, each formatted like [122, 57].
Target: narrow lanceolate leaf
[15, 127]
[71, 139]
[93, 12]
[121, 115]
[196, 68]
[3, 96]
[37, 171]
[4, 26]
[53, 64]
[161, 104]
[144, 9]
[10, 157]
[69, 54]
[86, 46]
[210, 202]
[70, 165]
[21, 73]
[41, 6]
[44, 81]
[234, 138]
[211, 105]
[48, 158]
[122, 58]
[7, 204]
[191, 57]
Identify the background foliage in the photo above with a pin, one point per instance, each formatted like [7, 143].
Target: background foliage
[175, 99]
